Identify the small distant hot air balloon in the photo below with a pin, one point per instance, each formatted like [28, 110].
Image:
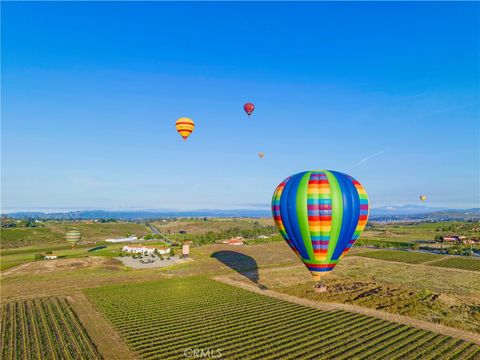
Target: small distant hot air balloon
[73, 237]
[185, 127]
[423, 197]
[261, 155]
[249, 107]
[320, 214]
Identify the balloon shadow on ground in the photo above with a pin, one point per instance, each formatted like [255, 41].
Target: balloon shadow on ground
[241, 263]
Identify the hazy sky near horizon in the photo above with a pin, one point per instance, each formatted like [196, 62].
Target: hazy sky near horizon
[386, 92]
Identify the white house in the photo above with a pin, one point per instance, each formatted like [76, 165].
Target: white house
[264, 237]
[124, 239]
[162, 250]
[49, 257]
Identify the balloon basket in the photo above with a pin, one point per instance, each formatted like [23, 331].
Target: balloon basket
[320, 288]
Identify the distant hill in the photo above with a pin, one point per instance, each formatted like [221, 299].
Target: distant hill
[405, 210]
[137, 215]
[403, 214]
[389, 213]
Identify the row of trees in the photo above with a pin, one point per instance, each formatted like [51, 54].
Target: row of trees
[11, 223]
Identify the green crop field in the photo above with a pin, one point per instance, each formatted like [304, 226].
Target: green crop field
[400, 256]
[458, 263]
[43, 329]
[171, 318]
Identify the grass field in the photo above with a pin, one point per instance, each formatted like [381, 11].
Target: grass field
[192, 226]
[400, 256]
[458, 263]
[419, 231]
[13, 257]
[53, 232]
[43, 329]
[163, 319]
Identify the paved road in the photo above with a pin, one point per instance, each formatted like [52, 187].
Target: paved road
[155, 231]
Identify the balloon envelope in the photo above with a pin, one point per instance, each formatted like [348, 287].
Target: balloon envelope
[249, 107]
[320, 214]
[185, 127]
[423, 197]
[73, 237]
[261, 155]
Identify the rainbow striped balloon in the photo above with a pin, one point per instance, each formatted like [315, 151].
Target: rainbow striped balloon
[320, 214]
[185, 127]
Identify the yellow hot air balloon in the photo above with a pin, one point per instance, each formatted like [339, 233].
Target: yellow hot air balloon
[184, 127]
[261, 155]
[423, 197]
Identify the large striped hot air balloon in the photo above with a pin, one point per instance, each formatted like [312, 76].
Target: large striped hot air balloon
[73, 237]
[185, 127]
[320, 214]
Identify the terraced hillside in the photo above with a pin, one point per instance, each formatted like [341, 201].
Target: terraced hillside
[43, 329]
[169, 319]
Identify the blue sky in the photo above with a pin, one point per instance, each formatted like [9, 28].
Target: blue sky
[386, 92]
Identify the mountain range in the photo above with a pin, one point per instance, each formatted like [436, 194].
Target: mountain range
[404, 212]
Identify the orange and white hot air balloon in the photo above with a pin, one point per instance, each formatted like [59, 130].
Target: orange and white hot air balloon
[184, 127]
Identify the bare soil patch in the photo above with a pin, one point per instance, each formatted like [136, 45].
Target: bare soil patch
[48, 266]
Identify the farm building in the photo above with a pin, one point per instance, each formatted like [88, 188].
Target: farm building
[162, 250]
[124, 239]
[49, 257]
[453, 238]
[234, 241]
[264, 237]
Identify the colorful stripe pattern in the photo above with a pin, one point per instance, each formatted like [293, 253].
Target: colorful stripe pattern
[320, 214]
[73, 236]
[185, 127]
[276, 213]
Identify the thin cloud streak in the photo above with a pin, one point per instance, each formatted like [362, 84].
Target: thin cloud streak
[365, 159]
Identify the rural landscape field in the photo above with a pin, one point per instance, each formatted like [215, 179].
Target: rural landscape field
[240, 180]
[238, 302]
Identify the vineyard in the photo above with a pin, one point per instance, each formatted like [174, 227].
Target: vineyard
[400, 256]
[44, 329]
[458, 263]
[171, 318]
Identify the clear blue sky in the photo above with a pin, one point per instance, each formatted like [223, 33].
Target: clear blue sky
[386, 92]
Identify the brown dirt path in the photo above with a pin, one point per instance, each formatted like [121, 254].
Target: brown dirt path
[108, 342]
[400, 319]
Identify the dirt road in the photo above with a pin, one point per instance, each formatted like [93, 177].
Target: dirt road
[108, 342]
